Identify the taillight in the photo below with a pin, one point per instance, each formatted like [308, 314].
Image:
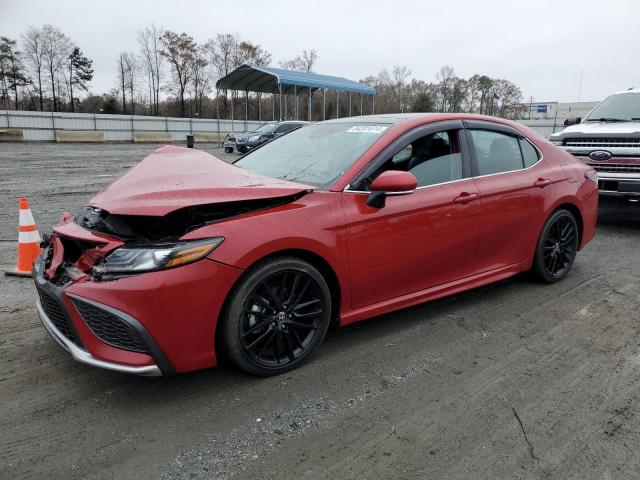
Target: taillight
[592, 175]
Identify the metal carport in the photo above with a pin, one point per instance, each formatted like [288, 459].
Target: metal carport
[271, 80]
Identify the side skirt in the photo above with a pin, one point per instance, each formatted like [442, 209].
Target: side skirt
[432, 293]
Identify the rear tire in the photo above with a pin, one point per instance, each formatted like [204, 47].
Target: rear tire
[228, 150]
[557, 247]
[276, 317]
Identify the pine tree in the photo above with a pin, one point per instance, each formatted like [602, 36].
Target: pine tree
[80, 72]
[12, 71]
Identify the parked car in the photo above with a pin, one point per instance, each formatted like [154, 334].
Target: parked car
[608, 140]
[187, 257]
[248, 140]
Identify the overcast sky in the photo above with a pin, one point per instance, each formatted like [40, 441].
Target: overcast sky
[540, 45]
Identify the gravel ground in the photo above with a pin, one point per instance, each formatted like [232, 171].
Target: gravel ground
[514, 380]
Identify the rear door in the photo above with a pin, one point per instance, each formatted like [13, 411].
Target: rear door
[516, 187]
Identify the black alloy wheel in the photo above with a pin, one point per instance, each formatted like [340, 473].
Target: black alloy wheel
[557, 247]
[277, 316]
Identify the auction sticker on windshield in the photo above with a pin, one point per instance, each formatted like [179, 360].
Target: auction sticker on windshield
[376, 129]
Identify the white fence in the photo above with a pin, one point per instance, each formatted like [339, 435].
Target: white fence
[42, 126]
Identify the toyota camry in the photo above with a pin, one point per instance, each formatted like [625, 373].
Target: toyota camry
[187, 258]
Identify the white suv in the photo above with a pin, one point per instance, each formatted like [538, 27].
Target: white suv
[609, 140]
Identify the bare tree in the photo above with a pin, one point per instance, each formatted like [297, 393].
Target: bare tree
[221, 52]
[228, 51]
[56, 48]
[132, 69]
[32, 44]
[399, 75]
[303, 62]
[445, 78]
[180, 52]
[201, 79]
[394, 82]
[126, 77]
[252, 53]
[152, 60]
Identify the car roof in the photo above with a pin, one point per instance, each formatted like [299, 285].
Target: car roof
[630, 90]
[386, 118]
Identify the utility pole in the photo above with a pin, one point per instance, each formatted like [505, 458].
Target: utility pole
[580, 87]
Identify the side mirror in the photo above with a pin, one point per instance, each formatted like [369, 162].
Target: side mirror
[572, 121]
[391, 182]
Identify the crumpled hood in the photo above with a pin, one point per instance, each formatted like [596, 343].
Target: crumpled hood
[175, 177]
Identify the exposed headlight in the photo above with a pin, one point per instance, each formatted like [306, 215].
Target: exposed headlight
[148, 258]
[255, 138]
[556, 142]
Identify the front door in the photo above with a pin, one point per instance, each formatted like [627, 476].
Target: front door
[420, 240]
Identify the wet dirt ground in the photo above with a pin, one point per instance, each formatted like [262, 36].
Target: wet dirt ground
[515, 380]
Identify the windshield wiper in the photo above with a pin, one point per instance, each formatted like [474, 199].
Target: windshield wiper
[608, 119]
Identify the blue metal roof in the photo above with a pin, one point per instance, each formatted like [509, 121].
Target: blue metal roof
[258, 78]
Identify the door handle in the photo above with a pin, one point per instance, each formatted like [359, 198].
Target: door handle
[542, 182]
[465, 197]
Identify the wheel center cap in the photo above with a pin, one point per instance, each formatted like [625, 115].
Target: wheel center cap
[281, 317]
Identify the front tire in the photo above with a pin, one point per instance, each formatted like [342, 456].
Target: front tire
[276, 317]
[557, 247]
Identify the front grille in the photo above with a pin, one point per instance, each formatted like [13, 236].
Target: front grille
[616, 168]
[56, 313]
[602, 142]
[110, 328]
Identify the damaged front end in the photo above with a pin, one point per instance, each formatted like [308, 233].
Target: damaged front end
[97, 245]
[108, 288]
[70, 252]
[173, 225]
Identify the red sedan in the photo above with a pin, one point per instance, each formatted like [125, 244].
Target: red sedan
[186, 257]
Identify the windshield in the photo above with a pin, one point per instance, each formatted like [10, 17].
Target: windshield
[622, 106]
[267, 127]
[316, 155]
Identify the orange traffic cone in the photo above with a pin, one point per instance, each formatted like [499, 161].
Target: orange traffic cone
[28, 241]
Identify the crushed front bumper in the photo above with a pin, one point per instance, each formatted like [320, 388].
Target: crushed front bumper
[154, 323]
[55, 315]
[83, 356]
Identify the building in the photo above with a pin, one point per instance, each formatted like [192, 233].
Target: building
[556, 110]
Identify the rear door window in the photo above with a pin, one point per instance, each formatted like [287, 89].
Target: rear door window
[496, 152]
[529, 153]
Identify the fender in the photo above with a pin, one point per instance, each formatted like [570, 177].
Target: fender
[249, 239]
